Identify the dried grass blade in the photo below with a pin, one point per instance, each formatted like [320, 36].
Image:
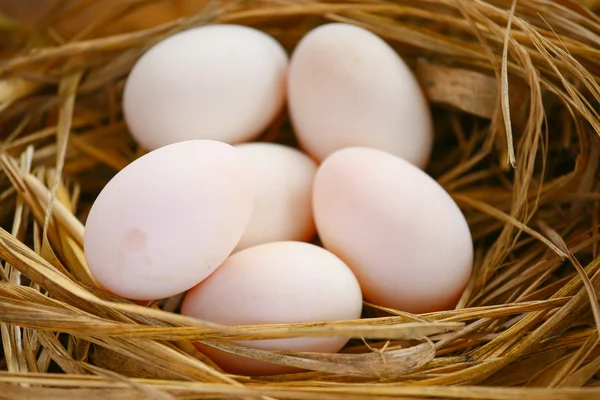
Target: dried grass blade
[589, 287]
[153, 393]
[67, 92]
[504, 85]
[580, 377]
[375, 364]
[12, 340]
[15, 89]
[67, 220]
[358, 329]
[171, 360]
[508, 219]
[196, 390]
[574, 361]
[59, 354]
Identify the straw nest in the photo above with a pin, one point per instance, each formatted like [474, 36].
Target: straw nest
[515, 95]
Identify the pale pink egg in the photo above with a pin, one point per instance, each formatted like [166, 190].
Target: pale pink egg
[401, 233]
[282, 282]
[282, 178]
[347, 87]
[168, 220]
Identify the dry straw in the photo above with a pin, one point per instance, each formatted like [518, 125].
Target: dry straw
[515, 91]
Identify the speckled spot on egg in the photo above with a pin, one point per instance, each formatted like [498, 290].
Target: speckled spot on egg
[135, 240]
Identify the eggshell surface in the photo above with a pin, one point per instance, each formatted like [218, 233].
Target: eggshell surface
[400, 232]
[168, 219]
[221, 82]
[282, 178]
[282, 282]
[347, 87]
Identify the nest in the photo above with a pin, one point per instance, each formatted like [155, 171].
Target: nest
[514, 88]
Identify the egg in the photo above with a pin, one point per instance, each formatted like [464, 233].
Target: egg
[347, 87]
[401, 233]
[282, 179]
[168, 220]
[220, 82]
[281, 282]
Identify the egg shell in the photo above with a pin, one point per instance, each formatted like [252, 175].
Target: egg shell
[347, 87]
[282, 282]
[168, 220]
[282, 178]
[401, 233]
[220, 82]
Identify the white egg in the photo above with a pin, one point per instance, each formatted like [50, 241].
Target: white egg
[347, 87]
[282, 179]
[219, 82]
[168, 220]
[282, 282]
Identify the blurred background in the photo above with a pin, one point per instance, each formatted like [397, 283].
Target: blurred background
[31, 12]
[39, 16]
[39, 20]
